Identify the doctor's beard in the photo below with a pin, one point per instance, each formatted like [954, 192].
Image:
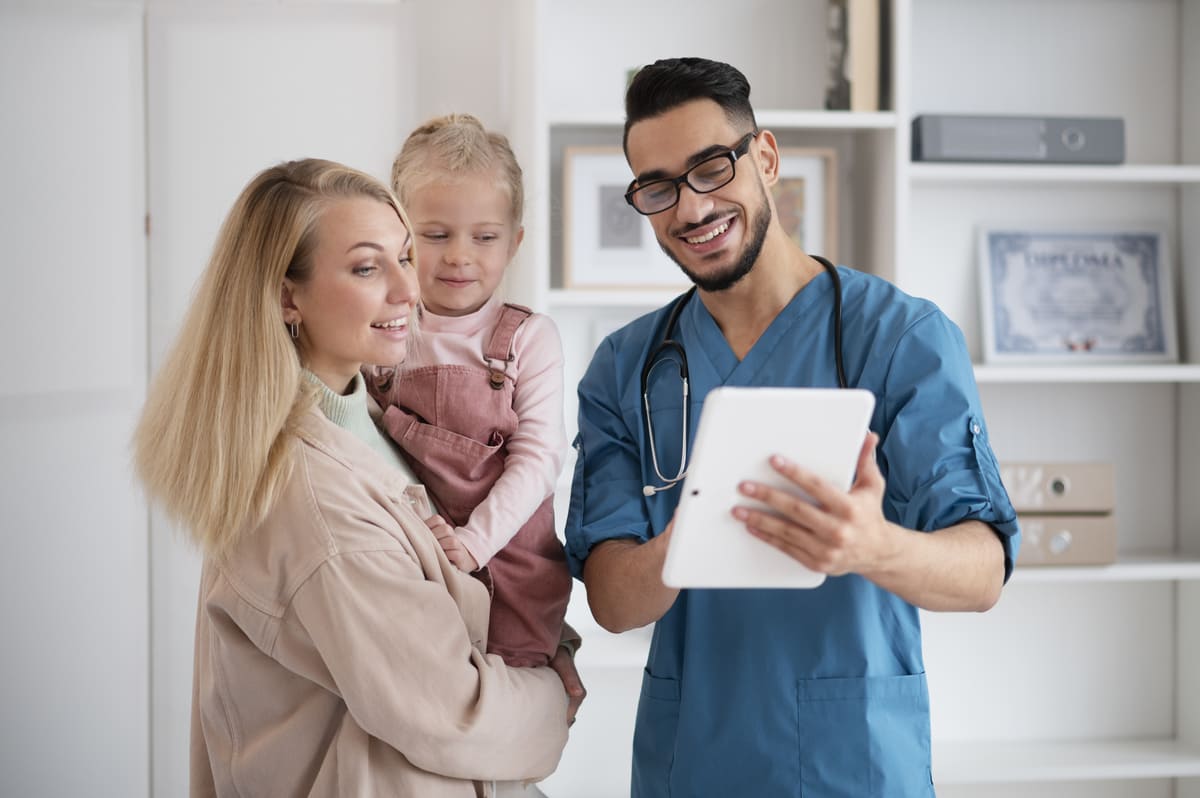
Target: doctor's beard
[727, 278]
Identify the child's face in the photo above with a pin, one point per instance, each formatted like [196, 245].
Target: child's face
[465, 237]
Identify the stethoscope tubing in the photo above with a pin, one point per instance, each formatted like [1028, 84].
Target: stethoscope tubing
[668, 344]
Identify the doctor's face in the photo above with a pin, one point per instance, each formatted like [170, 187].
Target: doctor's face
[716, 237]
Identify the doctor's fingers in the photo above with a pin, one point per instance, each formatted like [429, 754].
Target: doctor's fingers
[827, 506]
[823, 493]
[793, 540]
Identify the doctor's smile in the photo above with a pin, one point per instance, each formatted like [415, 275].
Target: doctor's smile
[707, 236]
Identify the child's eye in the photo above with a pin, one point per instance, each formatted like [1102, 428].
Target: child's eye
[434, 236]
[488, 237]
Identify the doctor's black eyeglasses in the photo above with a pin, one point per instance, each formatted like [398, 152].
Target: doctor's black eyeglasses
[708, 175]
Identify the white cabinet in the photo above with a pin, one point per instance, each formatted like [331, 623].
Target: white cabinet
[1083, 680]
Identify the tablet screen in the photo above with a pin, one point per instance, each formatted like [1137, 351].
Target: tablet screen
[821, 429]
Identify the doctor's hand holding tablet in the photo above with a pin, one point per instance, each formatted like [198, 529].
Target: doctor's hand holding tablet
[783, 488]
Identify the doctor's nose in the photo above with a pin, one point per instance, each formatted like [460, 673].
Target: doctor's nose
[692, 206]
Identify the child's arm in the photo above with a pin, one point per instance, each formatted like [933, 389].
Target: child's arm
[535, 451]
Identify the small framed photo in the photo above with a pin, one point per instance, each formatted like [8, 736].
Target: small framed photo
[806, 198]
[606, 243]
[1074, 296]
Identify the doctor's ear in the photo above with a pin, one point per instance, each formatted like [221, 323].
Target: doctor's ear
[768, 156]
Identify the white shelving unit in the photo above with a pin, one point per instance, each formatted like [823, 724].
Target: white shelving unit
[1082, 681]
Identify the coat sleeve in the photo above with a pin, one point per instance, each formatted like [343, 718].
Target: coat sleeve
[398, 652]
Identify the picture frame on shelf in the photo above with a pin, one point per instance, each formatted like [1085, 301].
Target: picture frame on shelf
[1076, 295]
[607, 245]
[806, 198]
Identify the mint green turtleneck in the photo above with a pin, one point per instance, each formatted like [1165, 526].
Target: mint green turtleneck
[350, 412]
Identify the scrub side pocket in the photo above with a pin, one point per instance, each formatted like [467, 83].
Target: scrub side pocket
[654, 737]
[864, 737]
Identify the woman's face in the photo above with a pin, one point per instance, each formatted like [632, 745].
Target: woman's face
[357, 302]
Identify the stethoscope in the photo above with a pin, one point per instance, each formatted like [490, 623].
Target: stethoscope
[669, 345]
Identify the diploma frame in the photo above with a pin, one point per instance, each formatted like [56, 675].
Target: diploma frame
[607, 245]
[1076, 295]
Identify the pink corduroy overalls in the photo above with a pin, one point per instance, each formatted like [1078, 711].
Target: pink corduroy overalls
[453, 423]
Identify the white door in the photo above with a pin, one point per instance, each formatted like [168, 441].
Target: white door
[73, 575]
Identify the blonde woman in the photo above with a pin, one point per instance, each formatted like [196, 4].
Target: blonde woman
[338, 651]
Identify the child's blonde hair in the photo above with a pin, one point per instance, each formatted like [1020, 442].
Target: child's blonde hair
[457, 145]
[214, 439]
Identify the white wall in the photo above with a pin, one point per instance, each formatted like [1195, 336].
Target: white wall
[73, 576]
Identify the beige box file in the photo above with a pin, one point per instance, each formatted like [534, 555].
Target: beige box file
[1067, 540]
[1059, 487]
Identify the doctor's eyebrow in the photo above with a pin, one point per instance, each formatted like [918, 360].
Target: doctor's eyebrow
[661, 174]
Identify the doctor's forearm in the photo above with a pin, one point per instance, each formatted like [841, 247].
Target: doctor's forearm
[624, 583]
[956, 569]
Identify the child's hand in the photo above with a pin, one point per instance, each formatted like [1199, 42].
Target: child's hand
[455, 550]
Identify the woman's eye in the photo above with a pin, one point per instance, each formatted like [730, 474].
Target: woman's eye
[363, 269]
[405, 260]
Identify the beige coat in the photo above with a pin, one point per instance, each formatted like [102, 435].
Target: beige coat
[339, 653]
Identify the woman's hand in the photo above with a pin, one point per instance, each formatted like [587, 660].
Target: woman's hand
[564, 665]
[455, 550]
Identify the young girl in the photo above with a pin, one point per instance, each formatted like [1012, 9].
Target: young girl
[477, 406]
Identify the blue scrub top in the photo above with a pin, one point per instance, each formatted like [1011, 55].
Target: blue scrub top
[817, 693]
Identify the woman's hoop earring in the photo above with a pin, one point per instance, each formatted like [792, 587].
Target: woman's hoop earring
[294, 327]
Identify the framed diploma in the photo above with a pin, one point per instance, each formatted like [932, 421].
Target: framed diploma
[1076, 296]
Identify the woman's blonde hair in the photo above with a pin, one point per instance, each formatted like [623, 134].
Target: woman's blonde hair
[457, 145]
[213, 441]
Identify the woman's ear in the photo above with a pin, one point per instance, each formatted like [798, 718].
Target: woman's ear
[768, 156]
[291, 313]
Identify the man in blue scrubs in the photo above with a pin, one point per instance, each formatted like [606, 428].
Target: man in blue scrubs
[818, 693]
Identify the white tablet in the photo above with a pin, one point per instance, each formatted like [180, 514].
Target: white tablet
[821, 429]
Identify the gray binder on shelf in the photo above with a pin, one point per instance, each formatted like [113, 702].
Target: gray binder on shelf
[1018, 139]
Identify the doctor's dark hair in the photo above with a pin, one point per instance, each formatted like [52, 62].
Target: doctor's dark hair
[671, 82]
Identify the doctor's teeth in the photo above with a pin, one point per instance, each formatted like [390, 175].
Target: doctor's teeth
[709, 236]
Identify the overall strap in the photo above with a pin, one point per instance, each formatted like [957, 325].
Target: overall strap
[498, 352]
